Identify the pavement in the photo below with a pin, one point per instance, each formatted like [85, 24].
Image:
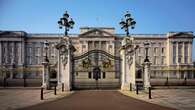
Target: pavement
[20, 97]
[181, 99]
[97, 100]
[162, 99]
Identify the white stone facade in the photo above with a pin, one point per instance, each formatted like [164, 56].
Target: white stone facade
[170, 54]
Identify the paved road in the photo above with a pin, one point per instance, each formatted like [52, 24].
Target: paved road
[97, 100]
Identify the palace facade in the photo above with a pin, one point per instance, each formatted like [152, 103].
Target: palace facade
[170, 54]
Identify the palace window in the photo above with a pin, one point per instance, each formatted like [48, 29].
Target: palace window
[179, 59]
[163, 60]
[182, 75]
[96, 44]
[155, 50]
[155, 60]
[189, 75]
[90, 45]
[162, 50]
[103, 45]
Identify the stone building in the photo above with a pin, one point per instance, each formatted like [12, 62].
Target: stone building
[170, 54]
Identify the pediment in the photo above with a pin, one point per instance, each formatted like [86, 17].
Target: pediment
[96, 33]
[182, 35]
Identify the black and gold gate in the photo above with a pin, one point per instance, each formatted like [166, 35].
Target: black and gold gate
[96, 69]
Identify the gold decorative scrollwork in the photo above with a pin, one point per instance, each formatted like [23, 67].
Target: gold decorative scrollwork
[106, 64]
[86, 63]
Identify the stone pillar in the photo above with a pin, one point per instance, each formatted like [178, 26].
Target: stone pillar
[190, 52]
[45, 76]
[132, 72]
[128, 71]
[68, 71]
[59, 68]
[12, 52]
[22, 52]
[147, 75]
[19, 53]
[176, 52]
[123, 65]
[183, 52]
[99, 45]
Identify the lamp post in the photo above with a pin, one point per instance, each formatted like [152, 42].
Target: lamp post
[146, 65]
[46, 46]
[127, 22]
[128, 54]
[65, 49]
[146, 45]
[66, 22]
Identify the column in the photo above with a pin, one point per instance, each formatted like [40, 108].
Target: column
[183, 53]
[169, 53]
[43, 77]
[87, 46]
[0, 52]
[190, 52]
[13, 53]
[22, 55]
[176, 52]
[99, 45]
[113, 48]
[19, 53]
[6, 52]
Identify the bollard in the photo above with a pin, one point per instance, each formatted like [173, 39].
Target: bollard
[185, 82]
[137, 92]
[62, 87]
[24, 82]
[42, 93]
[167, 81]
[149, 93]
[4, 82]
[55, 90]
[130, 87]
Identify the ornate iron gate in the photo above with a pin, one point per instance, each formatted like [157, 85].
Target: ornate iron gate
[96, 69]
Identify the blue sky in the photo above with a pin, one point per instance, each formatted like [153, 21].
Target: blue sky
[152, 16]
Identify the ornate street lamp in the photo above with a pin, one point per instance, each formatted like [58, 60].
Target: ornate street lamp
[146, 45]
[66, 22]
[127, 22]
[46, 47]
